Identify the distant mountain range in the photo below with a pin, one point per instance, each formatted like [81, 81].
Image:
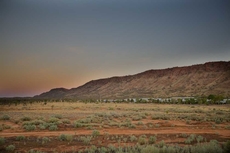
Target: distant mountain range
[195, 80]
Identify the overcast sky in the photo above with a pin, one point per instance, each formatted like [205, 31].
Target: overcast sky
[46, 44]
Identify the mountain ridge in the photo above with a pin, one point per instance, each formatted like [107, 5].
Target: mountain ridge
[194, 80]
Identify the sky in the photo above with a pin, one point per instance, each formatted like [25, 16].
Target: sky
[47, 44]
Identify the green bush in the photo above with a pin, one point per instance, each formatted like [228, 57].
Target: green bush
[69, 137]
[86, 140]
[45, 140]
[65, 137]
[227, 147]
[161, 144]
[5, 117]
[102, 150]
[95, 133]
[10, 148]
[21, 137]
[42, 127]
[66, 121]
[2, 140]
[77, 124]
[5, 126]
[25, 118]
[53, 120]
[150, 149]
[35, 151]
[133, 138]
[141, 140]
[37, 122]
[152, 139]
[53, 128]
[218, 120]
[59, 116]
[199, 139]
[62, 137]
[29, 127]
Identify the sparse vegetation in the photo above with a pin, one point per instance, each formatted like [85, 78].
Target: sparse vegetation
[29, 127]
[53, 127]
[5, 117]
[87, 131]
[20, 138]
[95, 133]
[45, 140]
[152, 139]
[2, 140]
[10, 148]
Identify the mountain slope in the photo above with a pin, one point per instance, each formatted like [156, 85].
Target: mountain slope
[195, 80]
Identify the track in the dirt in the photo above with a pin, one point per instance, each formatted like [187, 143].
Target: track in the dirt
[222, 133]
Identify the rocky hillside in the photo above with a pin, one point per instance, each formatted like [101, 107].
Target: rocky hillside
[195, 80]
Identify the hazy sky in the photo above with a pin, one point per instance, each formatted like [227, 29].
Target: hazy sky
[46, 44]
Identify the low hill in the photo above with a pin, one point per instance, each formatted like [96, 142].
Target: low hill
[195, 80]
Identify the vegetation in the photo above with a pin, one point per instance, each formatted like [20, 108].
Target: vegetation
[5, 117]
[95, 133]
[20, 138]
[152, 139]
[10, 148]
[92, 127]
[65, 137]
[53, 127]
[2, 140]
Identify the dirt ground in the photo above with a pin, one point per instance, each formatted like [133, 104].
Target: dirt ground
[116, 123]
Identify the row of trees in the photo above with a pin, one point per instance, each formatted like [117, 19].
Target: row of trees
[211, 99]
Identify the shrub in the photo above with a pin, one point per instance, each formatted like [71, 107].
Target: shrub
[53, 128]
[152, 139]
[141, 140]
[199, 139]
[77, 124]
[35, 151]
[140, 123]
[69, 137]
[2, 140]
[102, 150]
[211, 147]
[65, 137]
[25, 118]
[10, 148]
[53, 120]
[227, 147]
[192, 138]
[45, 140]
[42, 127]
[184, 135]
[86, 140]
[218, 120]
[161, 143]
[5, 117]
[59, 116]
[133, 138]
[62, 137]
[37, 122]
[66, 121]
[132, 126]
[111, 148]
[95, 133]
[21, 137]
[150, 149]
[4, 126]
[30, 127]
